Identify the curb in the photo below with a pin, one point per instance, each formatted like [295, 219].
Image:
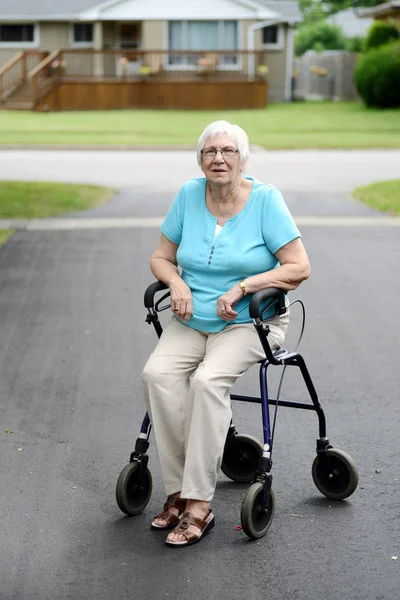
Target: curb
[71, 224]
[121, 148]
[94, 147]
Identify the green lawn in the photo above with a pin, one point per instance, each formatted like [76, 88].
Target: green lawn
[4, 235]
[384, 195]
[297, 125]
[26, 200]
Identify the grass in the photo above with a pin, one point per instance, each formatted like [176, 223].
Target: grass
[280, 126]
[26, 200]
[4, 235]
[384, 195]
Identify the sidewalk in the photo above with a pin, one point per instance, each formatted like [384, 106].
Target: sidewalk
[65, 224]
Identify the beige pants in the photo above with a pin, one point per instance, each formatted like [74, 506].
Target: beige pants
[187, 382]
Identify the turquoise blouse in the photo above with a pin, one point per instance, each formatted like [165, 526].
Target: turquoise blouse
[244, 247]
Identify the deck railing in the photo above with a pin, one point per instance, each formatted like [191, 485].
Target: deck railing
[159, 64]
[44, 71]
[15, 71]
[45, 75]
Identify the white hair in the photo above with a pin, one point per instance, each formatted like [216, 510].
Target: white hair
[236, 134]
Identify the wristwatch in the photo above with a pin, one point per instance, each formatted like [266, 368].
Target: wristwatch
[242, 287]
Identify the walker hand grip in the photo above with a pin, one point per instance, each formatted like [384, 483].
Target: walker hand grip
[259, 298]
[151, 291]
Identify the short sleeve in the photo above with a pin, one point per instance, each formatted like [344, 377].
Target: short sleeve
[278, 226]
[172, 225]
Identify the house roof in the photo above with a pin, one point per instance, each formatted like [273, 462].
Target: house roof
[68, 10]
[44, 9]
[289, 9]
[350, 23]
[381, 10]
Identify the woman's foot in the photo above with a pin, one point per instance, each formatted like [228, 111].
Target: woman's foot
[172, 512]
[196, 520]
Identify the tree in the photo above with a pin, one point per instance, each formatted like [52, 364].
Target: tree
[315, 10]
[319, 36]
[381, 33]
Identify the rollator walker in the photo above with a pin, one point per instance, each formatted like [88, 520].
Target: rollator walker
[245, 459]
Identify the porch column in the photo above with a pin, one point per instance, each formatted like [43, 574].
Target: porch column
[98, 64]
[289, 62]
[250, 42]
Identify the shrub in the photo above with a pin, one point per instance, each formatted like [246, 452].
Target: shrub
[319, 36]
[381, 33]
[355, 44]
[377, 76]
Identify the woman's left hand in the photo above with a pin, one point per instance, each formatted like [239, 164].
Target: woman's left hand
[227, 301]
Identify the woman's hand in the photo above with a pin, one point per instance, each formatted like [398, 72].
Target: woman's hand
[227, 301]
[181, 299]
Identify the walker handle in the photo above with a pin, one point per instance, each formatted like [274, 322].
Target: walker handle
[258, 298]
[151, 291]
[276, 295]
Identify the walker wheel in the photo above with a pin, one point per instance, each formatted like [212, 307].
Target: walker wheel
[133, 494]
[256, 518]
[336, 476]
[241, 456]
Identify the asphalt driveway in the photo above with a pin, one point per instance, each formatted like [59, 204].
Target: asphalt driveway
[73, 343]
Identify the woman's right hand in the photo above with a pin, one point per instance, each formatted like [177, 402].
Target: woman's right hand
[181, 300]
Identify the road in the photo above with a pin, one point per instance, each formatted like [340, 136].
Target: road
[74, 341]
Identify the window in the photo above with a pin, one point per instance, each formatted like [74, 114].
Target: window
[22, 34]
[272, 37]
[270, 34]
[83, 33]
[202, 36]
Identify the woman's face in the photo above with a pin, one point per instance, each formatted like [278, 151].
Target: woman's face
[221, 169]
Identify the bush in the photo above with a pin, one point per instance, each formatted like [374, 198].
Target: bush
[381, 33]
[355, 44]
[377, 76]
[319, 37]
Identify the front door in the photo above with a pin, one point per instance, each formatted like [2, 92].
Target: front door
[129, 39]
[130, 36]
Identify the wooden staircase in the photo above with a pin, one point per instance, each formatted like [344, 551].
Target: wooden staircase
[21, 89]
[19, 99]
[22, 98]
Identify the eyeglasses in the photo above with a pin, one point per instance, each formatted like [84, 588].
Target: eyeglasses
[212, 152]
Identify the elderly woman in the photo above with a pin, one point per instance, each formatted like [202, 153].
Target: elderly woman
[225, 237]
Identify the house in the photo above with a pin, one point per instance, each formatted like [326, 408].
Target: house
[388, 11]
[80, 54]
[350, 23]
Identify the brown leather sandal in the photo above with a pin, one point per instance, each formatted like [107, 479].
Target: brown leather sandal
[168, 516]
[205, 525]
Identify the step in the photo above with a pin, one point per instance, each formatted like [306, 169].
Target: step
[10, 105]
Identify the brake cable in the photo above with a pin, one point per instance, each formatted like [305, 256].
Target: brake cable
[284, 368]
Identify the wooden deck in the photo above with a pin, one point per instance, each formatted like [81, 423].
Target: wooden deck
[101, 80]
[110, 94]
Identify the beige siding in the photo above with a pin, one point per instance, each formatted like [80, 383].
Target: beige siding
[153, 35]
[244, 26]
[275, 59]
[153, 38]
[6, 54]
[54, 35]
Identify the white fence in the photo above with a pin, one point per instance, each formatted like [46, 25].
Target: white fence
[325, 76]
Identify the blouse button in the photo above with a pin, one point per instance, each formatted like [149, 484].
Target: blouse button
[209, 262]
